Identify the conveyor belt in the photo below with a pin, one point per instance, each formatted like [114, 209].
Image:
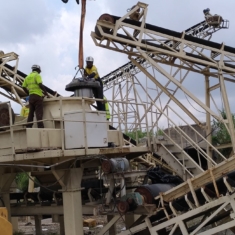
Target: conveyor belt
[8, 89]
[175, 34]
[128, 67]
[183, 205]
[126, 137]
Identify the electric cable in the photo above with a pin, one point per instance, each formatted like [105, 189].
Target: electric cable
[192, 105]
[43, 186]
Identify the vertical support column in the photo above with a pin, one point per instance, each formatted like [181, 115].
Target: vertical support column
[30, 190]
[5, 184]
[15, 225]
[6, 199]
[110, 192]
[113, 105]
[208, 120]
[38, 224]
[123, 187]
[62, 229]
[72, 201]
[123, 107]
[112, 230]
[130, 219]
[137, 113]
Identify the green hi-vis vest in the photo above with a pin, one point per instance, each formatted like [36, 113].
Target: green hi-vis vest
[107, 109]
[31, 83]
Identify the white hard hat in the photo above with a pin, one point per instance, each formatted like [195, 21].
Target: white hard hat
[90, 59]
[35, 66]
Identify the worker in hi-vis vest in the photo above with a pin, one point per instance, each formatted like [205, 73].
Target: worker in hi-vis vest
[25, 109]
[33, 86]
[107, 109]
[91, 72]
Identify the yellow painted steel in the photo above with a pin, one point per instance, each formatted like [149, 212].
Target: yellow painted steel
[5, 225]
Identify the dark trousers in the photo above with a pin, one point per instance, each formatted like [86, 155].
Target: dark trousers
[98, 93]
[35, 105]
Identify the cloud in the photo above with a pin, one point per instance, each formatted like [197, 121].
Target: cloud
[47, 33]
[23, 21]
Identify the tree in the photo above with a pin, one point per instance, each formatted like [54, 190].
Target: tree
[22, 181]
[220, 134]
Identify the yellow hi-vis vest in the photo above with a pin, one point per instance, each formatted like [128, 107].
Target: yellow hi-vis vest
[107, 109]
[31, 83]
[24, 112]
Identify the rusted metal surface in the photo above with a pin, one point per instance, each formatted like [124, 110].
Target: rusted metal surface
[106, 18]
[80, 50]
[115, 165]
[123, 207]
[114, 150]
[107, 166]
[5, 116]
[149, 192]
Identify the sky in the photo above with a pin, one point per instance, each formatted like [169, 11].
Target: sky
[46, 32]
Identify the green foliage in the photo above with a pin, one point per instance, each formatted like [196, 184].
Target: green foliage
[141, 134]
[220, 134]
[22, 181]
[160, 132]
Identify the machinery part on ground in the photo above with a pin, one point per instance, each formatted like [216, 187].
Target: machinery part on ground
[114, 165]
[5, 115]
[143, 194]
[108, 18]
[149, 192]
[123, 207]
[130, 202]
[5, 225]
[82, 88]
[158, 176]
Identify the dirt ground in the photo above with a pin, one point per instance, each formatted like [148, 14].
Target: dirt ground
[27, 226]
